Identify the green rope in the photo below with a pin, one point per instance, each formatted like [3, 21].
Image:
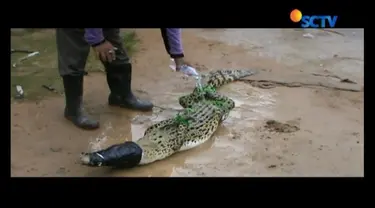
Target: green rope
[218, 103]
[181, 119]
[206, 89]
[211, 89]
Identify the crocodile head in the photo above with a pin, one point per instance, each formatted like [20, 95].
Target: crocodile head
[125, 155]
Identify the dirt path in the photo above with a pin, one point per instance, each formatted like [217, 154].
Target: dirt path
[281, 131]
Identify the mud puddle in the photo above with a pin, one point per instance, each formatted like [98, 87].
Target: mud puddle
[277, 126]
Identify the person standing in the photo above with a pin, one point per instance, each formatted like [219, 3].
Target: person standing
[73, 48]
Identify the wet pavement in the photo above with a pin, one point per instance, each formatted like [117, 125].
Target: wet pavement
[307, 49]
[228, 142]
[329, 139]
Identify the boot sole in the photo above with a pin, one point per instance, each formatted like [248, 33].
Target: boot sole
[83, 127]
[131, 108]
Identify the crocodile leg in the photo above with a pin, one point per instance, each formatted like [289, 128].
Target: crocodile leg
[189, 100]
[159, 125]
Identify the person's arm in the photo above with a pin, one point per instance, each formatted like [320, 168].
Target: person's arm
[172, 42]
[94, 36]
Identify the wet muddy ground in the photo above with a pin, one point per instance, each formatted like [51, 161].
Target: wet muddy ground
[300, 116]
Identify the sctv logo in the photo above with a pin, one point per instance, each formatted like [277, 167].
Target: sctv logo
[314, 21]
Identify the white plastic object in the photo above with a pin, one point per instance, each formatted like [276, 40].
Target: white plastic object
[185, 69]
[19, 89]
[33, 54]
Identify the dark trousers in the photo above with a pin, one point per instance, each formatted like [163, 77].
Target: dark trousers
[73, 50]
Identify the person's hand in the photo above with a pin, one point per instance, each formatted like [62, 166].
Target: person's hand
[179, 63]
[105, 52]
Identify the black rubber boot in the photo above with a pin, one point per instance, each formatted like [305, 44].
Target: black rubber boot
[119, 82]
[73, 86]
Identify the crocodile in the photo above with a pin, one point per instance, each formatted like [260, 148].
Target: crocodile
[204, 111]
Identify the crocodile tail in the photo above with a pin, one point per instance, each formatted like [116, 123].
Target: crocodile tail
[221, 77]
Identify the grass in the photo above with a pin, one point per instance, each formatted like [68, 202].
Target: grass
[42, 69]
